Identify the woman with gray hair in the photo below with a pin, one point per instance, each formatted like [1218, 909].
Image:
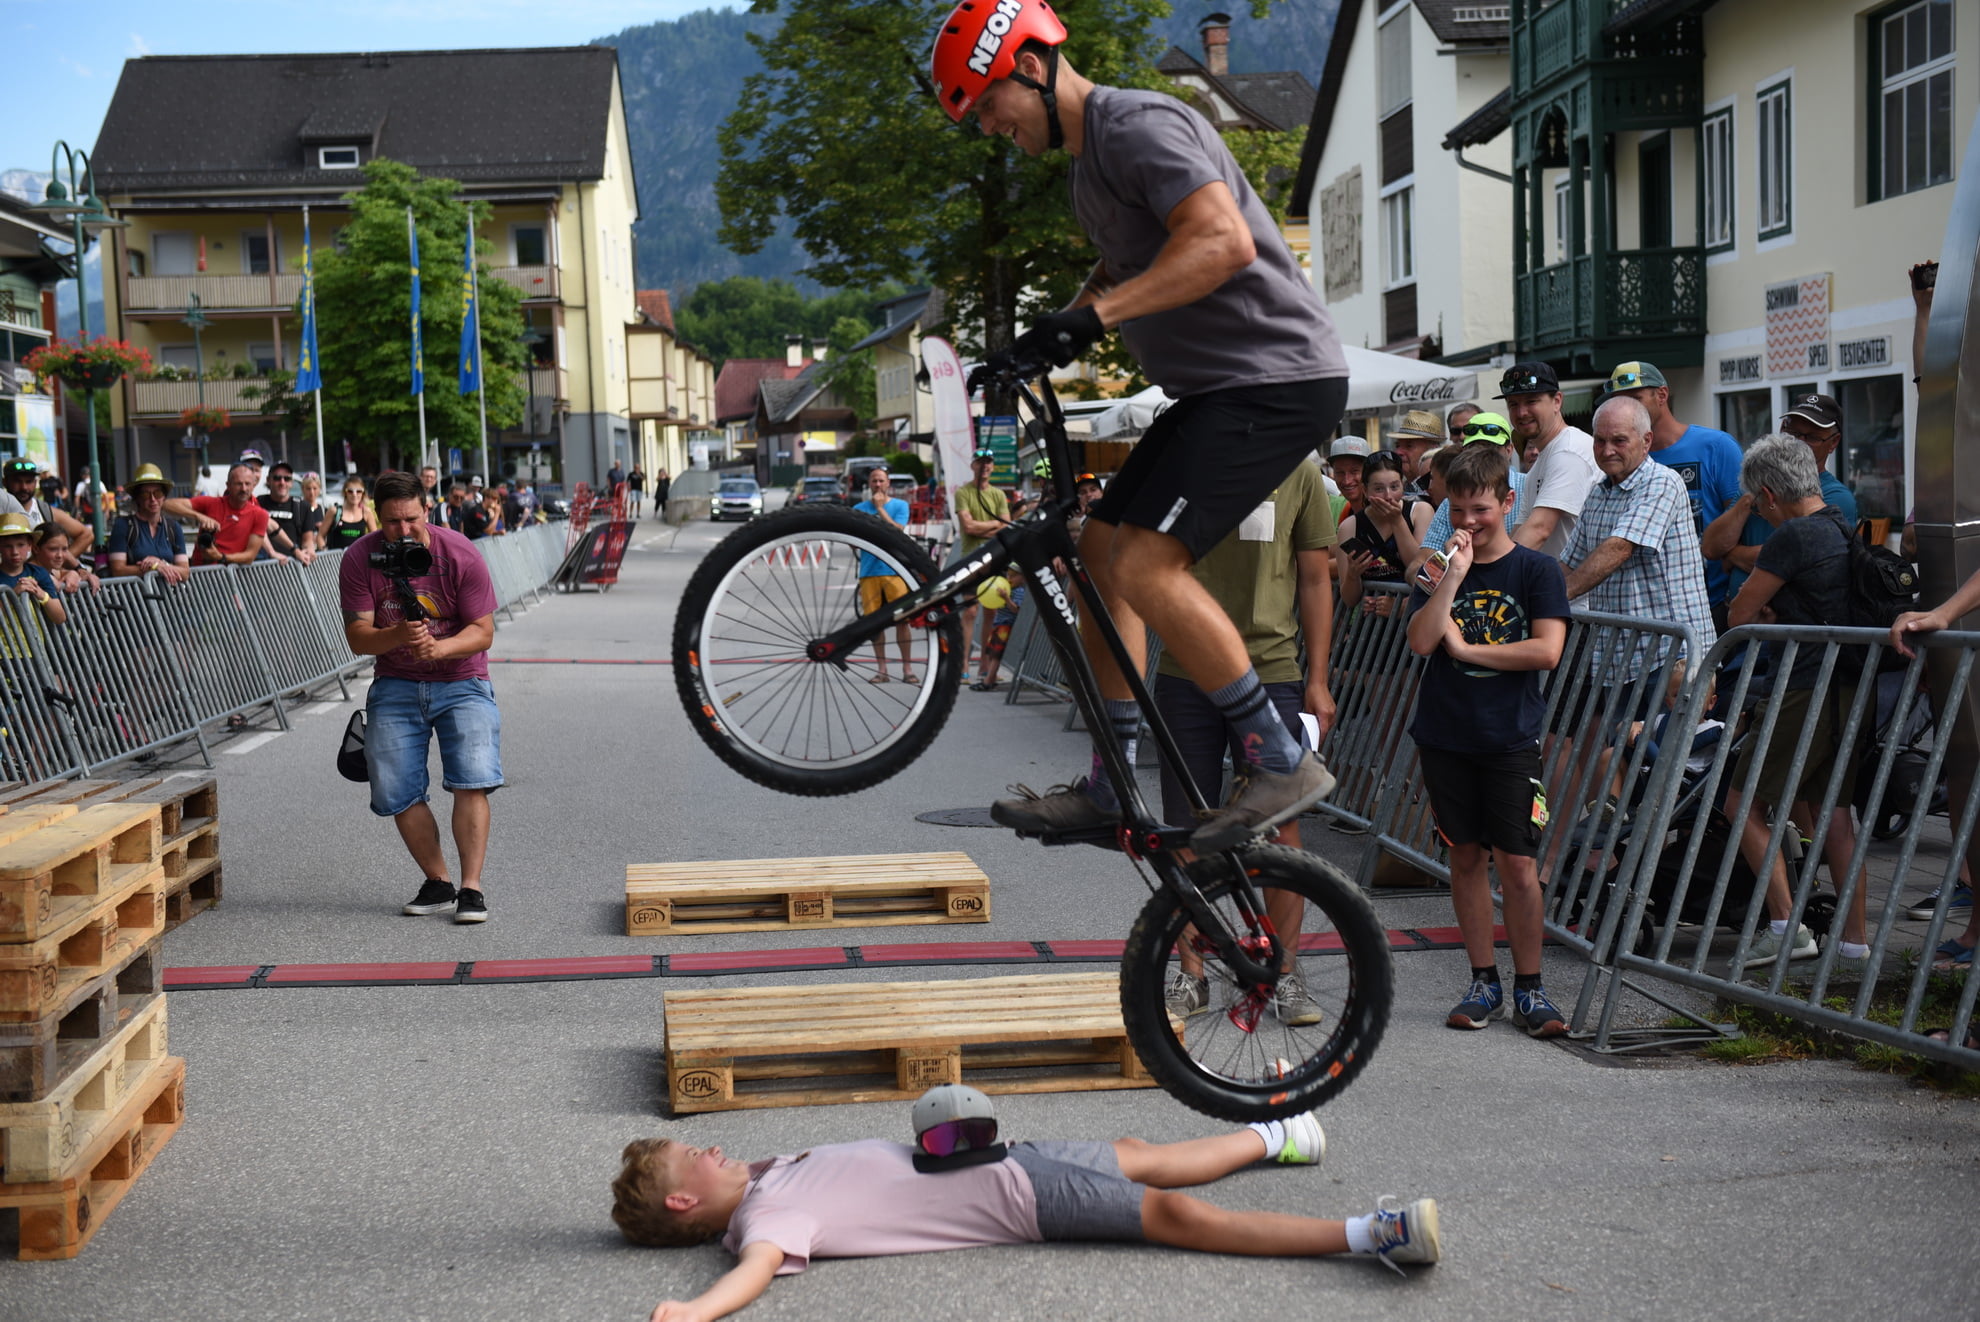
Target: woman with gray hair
[1802, 577]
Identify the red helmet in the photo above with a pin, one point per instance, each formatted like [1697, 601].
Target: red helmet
[978, 45]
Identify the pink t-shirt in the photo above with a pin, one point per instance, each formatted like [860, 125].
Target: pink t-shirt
[866, 1199]
[456, 593]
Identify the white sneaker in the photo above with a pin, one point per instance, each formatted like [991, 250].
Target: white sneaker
[1406, 1234]
[1306, 1141]
[1767, 946]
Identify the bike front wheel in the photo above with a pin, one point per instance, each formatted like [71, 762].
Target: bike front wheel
[761, 703]
[1244, 1054]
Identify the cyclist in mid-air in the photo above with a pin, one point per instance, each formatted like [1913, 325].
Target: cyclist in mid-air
[1216, 310]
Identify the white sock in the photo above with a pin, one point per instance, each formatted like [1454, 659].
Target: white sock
[1359, 1237]
[1778, 926]
[1274, 1134]
[1855, 950]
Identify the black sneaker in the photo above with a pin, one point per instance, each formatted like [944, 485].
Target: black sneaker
[435, 896]
[1060, 808]
[471, 907]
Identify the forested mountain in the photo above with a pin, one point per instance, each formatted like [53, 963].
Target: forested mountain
[681, 79]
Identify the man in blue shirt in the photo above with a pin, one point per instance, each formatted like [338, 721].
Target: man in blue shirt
[1705, 458]
[878, 583]
[1737, 535]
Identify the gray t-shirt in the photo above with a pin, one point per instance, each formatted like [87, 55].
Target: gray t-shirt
[1144, 153]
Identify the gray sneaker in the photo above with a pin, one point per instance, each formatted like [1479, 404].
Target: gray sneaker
[1406, 1234]
[1264, 800]
[1295, 1007]
[1060, 808]
[1767, 946]
[1188, 995]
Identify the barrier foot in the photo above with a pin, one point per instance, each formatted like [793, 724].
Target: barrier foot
[1609, 1040]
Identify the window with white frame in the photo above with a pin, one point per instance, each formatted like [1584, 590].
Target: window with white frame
[1774, 121]
[1913, 58]
[1563, 218]
[1716, 165]
[1399, 236]
[1392, 75]
[336, 158]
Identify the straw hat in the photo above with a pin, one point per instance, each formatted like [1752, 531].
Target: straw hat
[148, 476]
[1419, 424]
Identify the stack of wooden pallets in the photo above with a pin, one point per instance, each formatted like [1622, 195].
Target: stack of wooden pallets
[88, 1093]
[189, 816]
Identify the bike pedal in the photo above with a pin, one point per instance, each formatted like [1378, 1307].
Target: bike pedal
[1107, 837]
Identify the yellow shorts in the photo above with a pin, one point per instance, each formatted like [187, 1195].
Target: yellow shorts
[877, 591]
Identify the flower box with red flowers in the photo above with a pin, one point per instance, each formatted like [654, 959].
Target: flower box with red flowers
[88, 364]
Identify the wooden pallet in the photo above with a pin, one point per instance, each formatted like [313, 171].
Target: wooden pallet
[44, 1139]
[38, 977]
[59, 1216]
[752, 1047]
[64, 867]
[767, 894]
[185, 801]
[37, 1055]
[195, 892]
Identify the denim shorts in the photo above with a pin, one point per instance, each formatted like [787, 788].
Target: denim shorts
[401, 715]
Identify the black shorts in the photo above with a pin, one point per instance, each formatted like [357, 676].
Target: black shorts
[1213, 458]
[1491, 799]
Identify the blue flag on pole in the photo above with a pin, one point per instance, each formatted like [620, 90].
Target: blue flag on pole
[309, 373]
[470, 318]
[418, 353]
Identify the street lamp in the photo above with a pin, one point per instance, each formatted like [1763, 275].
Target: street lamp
[78, 201]
[196, 318]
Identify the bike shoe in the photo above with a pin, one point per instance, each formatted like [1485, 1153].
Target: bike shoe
[1263, 801]
[1060, 808]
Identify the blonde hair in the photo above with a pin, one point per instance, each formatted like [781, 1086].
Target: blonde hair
[639, 1202]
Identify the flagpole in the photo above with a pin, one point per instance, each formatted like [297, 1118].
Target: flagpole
[412, 244]
[322, 468]
[480, 366]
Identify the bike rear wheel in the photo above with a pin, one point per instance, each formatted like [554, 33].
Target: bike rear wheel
[1236, 1059]
[765, 707]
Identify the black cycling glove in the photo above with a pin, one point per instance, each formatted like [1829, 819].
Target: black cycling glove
[1059, 337]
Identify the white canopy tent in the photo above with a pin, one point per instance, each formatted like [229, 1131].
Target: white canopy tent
[1376, 381]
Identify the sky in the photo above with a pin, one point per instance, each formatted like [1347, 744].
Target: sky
[64, 58]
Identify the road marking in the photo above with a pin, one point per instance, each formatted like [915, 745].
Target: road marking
[319, 709]
[251, 742]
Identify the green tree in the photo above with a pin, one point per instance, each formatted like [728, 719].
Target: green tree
[363, 314]
[841, 134]
[749, 317]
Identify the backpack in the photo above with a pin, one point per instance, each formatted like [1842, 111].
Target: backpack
[1882, 584]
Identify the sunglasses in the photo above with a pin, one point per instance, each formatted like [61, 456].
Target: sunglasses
[1626, 381]
[983, 454]
[1521, 381]
[953, 1136]
[1491, 431]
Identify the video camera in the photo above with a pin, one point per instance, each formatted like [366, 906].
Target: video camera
[402, 562]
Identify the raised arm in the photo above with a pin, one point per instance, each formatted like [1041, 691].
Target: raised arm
[738, 1287]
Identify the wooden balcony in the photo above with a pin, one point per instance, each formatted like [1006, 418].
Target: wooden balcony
[532, 282]
[169, 294]
[1644, 303]
[167, 399]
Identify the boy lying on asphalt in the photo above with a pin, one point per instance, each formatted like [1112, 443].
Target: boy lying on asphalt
[867, 1199]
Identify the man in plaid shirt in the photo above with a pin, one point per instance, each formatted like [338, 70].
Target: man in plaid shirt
[1635, 550]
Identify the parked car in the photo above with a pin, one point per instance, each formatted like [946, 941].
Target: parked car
[737, 498]
[816, 491]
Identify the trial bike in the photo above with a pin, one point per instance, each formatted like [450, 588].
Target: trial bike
[774, 664]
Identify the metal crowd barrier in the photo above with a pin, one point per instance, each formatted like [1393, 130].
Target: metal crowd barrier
[143, 664]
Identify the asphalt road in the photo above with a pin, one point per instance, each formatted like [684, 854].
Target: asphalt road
[444, 1152]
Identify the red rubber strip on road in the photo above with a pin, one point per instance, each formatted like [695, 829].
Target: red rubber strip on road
[231, 975]
[438, 971]
[816, 957]
[1086, 949]
[958, 951]
[583, 966]
[578, 661]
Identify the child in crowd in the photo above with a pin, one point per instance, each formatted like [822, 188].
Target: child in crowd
[867, 1199]
[19, 574]
[1489, 626]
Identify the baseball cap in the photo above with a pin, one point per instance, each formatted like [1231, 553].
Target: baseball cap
[1348, 447]
[1635, 376]
[1528, 379]
[985, 453]
[15, 525]
[1491, 427]
[1818, 409]
[1419, 425]
[252, 457]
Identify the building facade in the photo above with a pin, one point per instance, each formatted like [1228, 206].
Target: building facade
[212, 158]
[672, 388]
[29, 413]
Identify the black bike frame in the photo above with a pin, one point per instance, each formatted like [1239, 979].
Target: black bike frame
[1033, 544]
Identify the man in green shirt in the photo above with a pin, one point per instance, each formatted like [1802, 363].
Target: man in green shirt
[982, 510]
[1274, 578]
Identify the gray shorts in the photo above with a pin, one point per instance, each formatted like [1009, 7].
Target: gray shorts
[1081, 1192]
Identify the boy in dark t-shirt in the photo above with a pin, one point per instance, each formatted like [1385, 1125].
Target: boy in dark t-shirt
[1495, 620]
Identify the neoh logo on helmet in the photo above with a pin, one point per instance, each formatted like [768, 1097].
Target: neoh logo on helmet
[978, 45]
